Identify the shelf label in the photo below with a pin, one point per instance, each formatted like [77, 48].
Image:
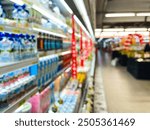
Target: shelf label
[1, 28]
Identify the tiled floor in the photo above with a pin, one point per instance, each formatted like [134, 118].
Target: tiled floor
[123, 92]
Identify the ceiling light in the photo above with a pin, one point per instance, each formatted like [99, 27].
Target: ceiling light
[48, 32]
[119, 14]
[143, 33]
[82, 9]
[113, 30]
[97, 34]
[124, 33]
[19, 2]
[143, 14]
[108, 34]
[135, 29]
[66, 6]
[98, 30]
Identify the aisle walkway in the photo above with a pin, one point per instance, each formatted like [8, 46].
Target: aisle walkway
[123, 92]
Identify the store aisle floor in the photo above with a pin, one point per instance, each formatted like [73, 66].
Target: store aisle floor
[123, 92]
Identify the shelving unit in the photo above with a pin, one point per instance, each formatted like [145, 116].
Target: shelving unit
[83, 98]
[8, 67]
[15, 29]
[58, 34]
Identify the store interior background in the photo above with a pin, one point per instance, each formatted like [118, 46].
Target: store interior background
[107, 70]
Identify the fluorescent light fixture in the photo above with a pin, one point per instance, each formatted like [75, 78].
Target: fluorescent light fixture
[47, 14]
[125, 33]
[98, 30]
[113, 30]
[119, 14]
[143, 14]
[97, 34]
[108, 33]
[82, 9]
[48, 32]
[19, 2]
[143, 33]
[135, 29]
[66, 6]
[81, 25]
[148, 29]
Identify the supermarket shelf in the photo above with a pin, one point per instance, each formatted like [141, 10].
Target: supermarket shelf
[83, 98]
[46, 53]
[49, 31]
[8, 67]
[12, 107]
[55, 77]
[15, 29]
[59, 50]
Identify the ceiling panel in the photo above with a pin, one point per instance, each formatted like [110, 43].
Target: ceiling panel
[123, 19]
[118, 6]
[128, 6]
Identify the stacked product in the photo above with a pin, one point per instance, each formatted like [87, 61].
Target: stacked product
[47, 69]
[67, 101]
[14, 47]
[65, 60]
[14, 84]
[47, 42]
[41, 101]
[70, 99]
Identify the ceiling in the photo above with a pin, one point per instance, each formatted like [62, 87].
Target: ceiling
[121, 6]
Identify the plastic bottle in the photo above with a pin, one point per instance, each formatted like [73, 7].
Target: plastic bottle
[22, 46]
[45, 42]
[6, 48]
[53, 43]
[1, 38]
[40, 42]
[33, 46]
[49, 42]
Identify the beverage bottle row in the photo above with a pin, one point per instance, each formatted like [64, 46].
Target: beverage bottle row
[15, 47]
[47, 42]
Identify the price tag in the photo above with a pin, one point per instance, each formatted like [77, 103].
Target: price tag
[1, 28]
[16, 31]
